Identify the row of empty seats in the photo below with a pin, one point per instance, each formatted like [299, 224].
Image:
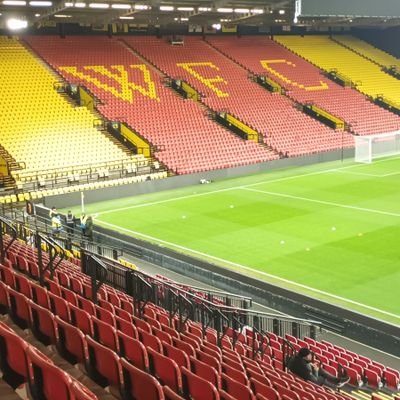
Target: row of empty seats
[329, 55]
[132, 91]
[306, 84]
[40, 127]
[368, 50]
[185, 360]
[226, 88]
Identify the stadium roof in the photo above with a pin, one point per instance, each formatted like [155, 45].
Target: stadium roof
[166, 12]
[154, 12]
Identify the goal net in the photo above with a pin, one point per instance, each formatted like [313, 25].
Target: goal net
[367, 148]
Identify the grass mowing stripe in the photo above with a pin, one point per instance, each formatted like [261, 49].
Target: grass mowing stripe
[246, 268]
[328, 203]
[285, 178]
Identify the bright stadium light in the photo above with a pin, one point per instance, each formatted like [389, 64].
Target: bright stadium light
[36, 3]
[241, 10]
[15, 24]
[121, 6]
[167, 8]
[257, 11]
[126, 17]
[99, 5]
[80, 5]
[224, 10]
[185, 8]
[204, 9]
[141, 7]
[14, 3]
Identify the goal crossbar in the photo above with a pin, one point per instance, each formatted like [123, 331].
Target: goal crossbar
[370, 147]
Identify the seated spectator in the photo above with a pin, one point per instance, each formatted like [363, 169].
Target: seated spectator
[301, 365]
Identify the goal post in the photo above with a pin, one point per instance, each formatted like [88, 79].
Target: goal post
[370, 147]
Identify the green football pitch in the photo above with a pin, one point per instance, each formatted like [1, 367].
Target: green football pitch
[330, 231]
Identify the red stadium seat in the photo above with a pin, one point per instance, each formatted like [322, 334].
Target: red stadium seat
[165, 370]
[59, 307]
[47, 381]
[197, 388]
[12, 357]
[178, 355]
[72, 342]
[205, 371]
[237, 389]
[105, 334]
[169, 394]
[19, 308]
[81, 392]
[104, 366]
[42, 324]
[139, 384]
[4, 300]
[39, 295]
[81, 319]
[134, 351]
[149, 340]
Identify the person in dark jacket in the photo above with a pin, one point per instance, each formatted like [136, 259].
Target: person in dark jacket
[88, 233]
[301, 365]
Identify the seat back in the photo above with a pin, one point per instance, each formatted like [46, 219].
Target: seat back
[72, 343]
[237, 389]
[47, 381]
[197, 388]
[178, 355]
[39, 295]
[169, 394]
[7, 275]
[3, 298]
[42, 324]
[81, 319]
[12, 357]
[105, 316]
[165, 370]
[105, 334]
[59, 306]
[126, 327]
[133, 350]
[81, 392]
[260, 388]
[149, 340]
[104, 366]
[206, 372]
[19, 308]
[139, 384]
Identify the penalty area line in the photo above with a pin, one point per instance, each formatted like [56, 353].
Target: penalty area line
[246, 268]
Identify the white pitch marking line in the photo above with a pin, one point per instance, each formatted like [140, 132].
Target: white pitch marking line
[244, 267]
[371, 175]
[328, 203]
[194, 195]
[361, 174]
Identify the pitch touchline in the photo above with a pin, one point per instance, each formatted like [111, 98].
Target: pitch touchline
[287, 281]
[285, 178]
[328, 203]
[194, 195]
